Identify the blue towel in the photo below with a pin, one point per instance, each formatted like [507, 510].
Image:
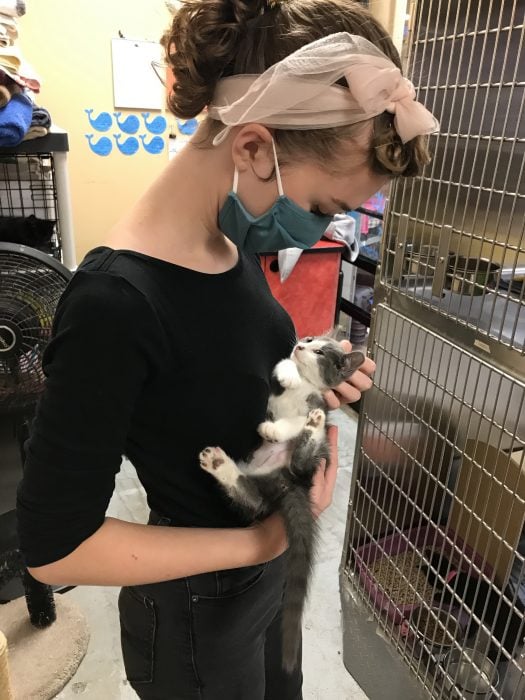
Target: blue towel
[41, 117]
[15, 120]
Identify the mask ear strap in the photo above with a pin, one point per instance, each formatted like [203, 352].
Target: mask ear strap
[277, 171]
[235, 181]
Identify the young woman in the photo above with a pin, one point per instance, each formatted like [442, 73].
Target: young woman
[165, 339]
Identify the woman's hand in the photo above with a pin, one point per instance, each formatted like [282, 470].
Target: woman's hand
[351, 390]
[271, 532]
[325, 476]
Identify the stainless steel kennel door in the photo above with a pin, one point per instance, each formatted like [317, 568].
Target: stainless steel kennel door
[433, 575]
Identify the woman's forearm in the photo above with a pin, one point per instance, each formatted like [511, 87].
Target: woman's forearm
[124, 554]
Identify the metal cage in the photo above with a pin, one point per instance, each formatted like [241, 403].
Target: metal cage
[28, 187]
[433, 575]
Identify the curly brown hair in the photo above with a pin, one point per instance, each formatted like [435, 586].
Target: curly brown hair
[212, 39]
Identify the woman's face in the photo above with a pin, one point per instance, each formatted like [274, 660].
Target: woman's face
[313, 189]
[308, 184]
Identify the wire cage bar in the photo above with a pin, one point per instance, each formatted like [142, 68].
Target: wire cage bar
[456, 241]
[435, 543]
[28, 188]
[438, 508]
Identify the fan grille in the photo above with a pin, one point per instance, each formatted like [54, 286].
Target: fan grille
[30, 289]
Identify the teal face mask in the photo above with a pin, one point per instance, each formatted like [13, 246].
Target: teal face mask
[284, 225]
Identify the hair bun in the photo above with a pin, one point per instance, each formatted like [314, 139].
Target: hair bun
[201, 42]
[244, 10]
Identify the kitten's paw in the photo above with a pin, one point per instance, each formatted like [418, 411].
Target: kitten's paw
[287, 374]
[316, 419]
[216, 462]
[212, 458]
[271, 432]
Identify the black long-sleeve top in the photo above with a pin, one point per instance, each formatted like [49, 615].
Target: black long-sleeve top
[154, 361]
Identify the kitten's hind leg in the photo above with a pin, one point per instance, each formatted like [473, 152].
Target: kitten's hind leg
[281, 430]
[239, 487]
[316, 424]
[311, 444]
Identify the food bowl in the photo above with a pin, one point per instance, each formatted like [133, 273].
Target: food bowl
[471, 675]
[471, 276]
[422, 262]
[433, 631]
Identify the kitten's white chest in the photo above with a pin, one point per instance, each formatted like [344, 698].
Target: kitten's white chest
[292, 402]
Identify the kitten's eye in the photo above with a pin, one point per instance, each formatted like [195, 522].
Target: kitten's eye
[308, 340]
[319, 352]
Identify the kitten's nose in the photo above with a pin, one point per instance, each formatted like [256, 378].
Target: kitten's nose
[300, 347]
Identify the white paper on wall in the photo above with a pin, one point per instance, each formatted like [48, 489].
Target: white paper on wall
[135, 84]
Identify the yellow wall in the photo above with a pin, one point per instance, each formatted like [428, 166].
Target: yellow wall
[69, 44]
[392, 15]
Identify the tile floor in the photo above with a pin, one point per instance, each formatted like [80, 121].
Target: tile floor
[101, 674]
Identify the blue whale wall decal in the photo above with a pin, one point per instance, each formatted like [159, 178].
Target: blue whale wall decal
[102, 147]
[129, 125]
[129, 147]
[187, 127]
[155, 146]
[101, 123]
[157, 125]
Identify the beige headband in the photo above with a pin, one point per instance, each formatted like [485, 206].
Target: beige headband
[299, 92]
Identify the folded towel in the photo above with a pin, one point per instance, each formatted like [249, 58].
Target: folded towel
[10, 59]
[287, 260]
[342, 229]
[36, 132]
[14, 8]
[5, 39]
[15, 119]
[10, 24]
[8, 33]
[6, 76]
[41, 117]
[29, 75]
[13, 64]
[5, 95]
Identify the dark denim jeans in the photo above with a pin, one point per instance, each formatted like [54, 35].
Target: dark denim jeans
[213, 636]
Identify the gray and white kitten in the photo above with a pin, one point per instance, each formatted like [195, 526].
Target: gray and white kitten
[279, 474]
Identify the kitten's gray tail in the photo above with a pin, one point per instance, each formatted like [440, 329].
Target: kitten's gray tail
[300, 529]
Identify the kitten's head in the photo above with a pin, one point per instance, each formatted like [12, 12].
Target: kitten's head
[324, 363]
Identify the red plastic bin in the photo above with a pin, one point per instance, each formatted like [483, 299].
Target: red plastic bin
[311, 293]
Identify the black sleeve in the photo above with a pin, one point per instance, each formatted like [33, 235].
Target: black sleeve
[95, 366]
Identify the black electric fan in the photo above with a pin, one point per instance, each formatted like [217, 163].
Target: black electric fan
[31, 284]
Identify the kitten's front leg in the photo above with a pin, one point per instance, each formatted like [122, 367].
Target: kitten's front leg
[217, 463]
[287, 374]
[281, 430]
[240, 489]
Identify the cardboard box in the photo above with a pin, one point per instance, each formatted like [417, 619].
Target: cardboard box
[488, 510]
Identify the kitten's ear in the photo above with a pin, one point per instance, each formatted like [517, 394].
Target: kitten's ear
[353, 360]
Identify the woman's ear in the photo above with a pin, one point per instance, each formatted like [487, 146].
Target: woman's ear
[252, 150]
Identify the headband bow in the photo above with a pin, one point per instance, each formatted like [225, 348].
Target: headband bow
[300, 92]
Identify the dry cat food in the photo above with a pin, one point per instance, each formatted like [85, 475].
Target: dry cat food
[402, 584]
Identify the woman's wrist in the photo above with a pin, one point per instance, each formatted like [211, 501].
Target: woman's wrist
[269, 538]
